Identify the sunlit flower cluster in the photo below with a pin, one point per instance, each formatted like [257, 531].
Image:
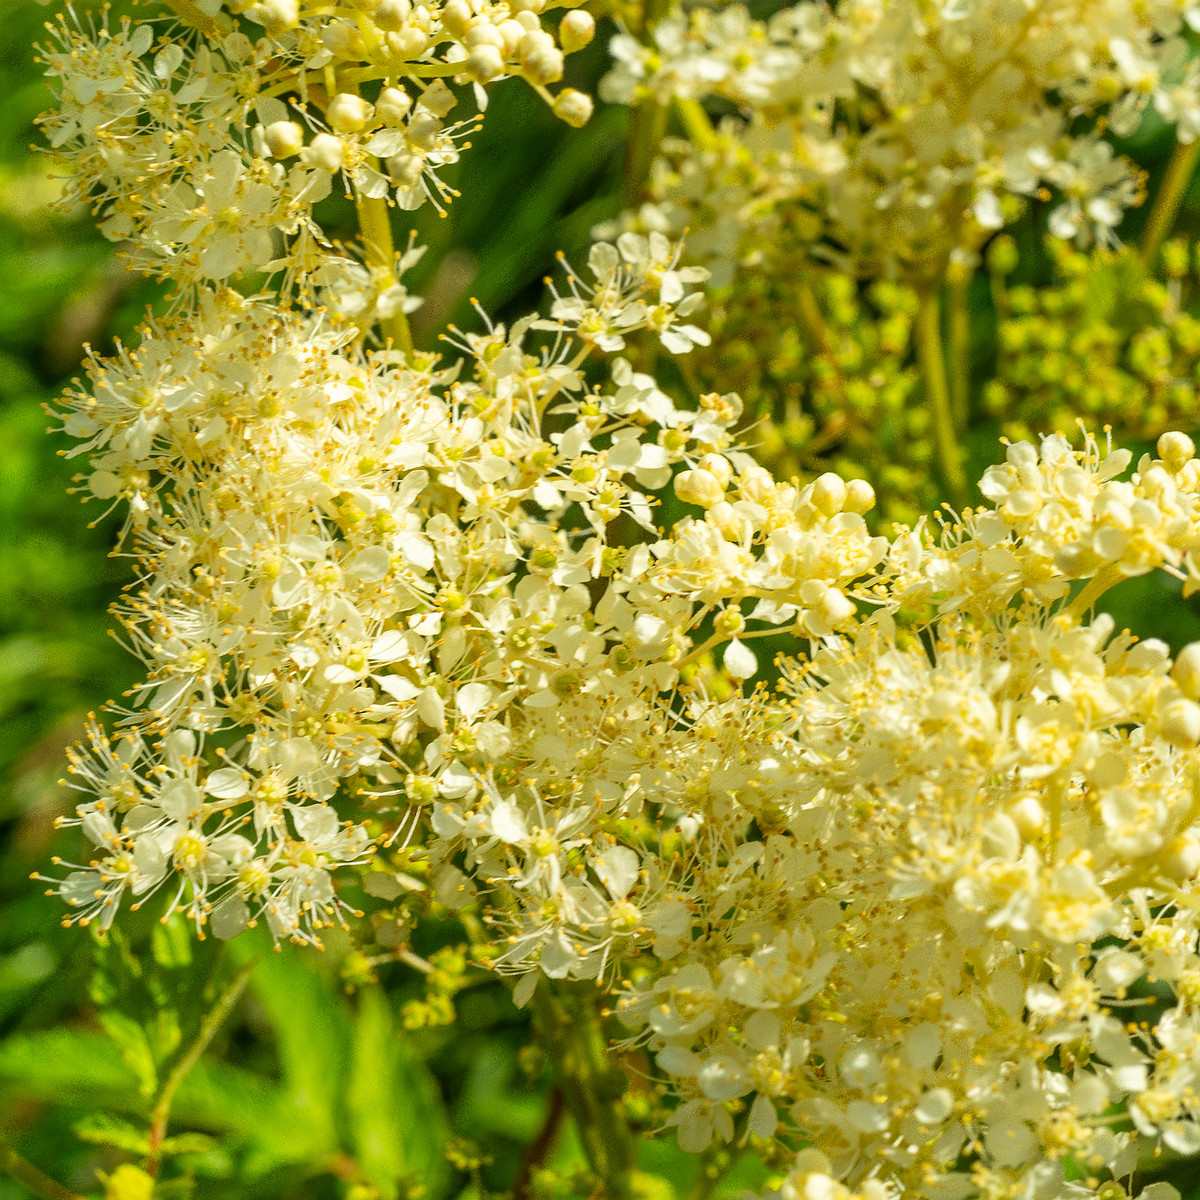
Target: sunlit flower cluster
[898, 133]
[907, 902]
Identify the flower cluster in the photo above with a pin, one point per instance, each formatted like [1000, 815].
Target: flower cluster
[207, 159]
[903, 132]
[914, 913]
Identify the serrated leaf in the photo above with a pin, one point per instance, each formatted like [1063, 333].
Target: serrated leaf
[131, 1041]
[102, 1129]
[397, 1121]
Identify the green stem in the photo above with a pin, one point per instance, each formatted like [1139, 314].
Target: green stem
[539, 1149]
[649, 124]
[1169, 198]
[185, 10]
[161, 1112]
[960, 347]
[646, 133]
[592, 1084]
[930, 355]
[376, 227]
[696, 123]
[38, 1182]
[1094, 589]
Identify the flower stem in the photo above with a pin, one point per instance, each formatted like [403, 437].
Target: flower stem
[376, 227]
[539, 1149]
[213, 1020]
[649, 123]
[1169, 198]
[937, 394]
[592, 1084]
[185, 10]
[38, 1182]
[1094, 589]
[959, 322]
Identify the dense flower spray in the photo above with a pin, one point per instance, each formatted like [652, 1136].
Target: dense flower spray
[916, 918]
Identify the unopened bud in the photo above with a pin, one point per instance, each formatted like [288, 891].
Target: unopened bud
[393, 105]
[1175, 449]
[544, 65]
[829, 493]
[1180, 724]
[573, 108]
[698, 487]
[1186, 670]
[326, 151]
[283, 138]
[860, 497]
[390, 15]
[485, 63]
[577, 29]
[717, 465]
[348, 113]
[456, 18]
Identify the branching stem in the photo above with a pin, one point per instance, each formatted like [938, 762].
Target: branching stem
[213, 1020]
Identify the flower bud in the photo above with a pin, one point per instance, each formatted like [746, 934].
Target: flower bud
[578, 28]
[407, 42]
[485, 63]
[860, 497]
[348, 113]
[393, 105]
[717, 465]
[698, 487]
[483, 35]
[277, 16]
[390, 15]
[1175, 449]
[1180, 724]
[572, 107]
[1186, 670]
[511, 32]
[456, 18]
[325, 151]
[283, 139]
[405, 170]
[541, 63]
[829, 493]
[438, 98]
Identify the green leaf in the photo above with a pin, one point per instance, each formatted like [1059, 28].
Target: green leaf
[189, 1143]
[312, 1031]
[397, 1121]
[68, 1067]
[102, 1129]
[131, 1040]
[171, 942]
